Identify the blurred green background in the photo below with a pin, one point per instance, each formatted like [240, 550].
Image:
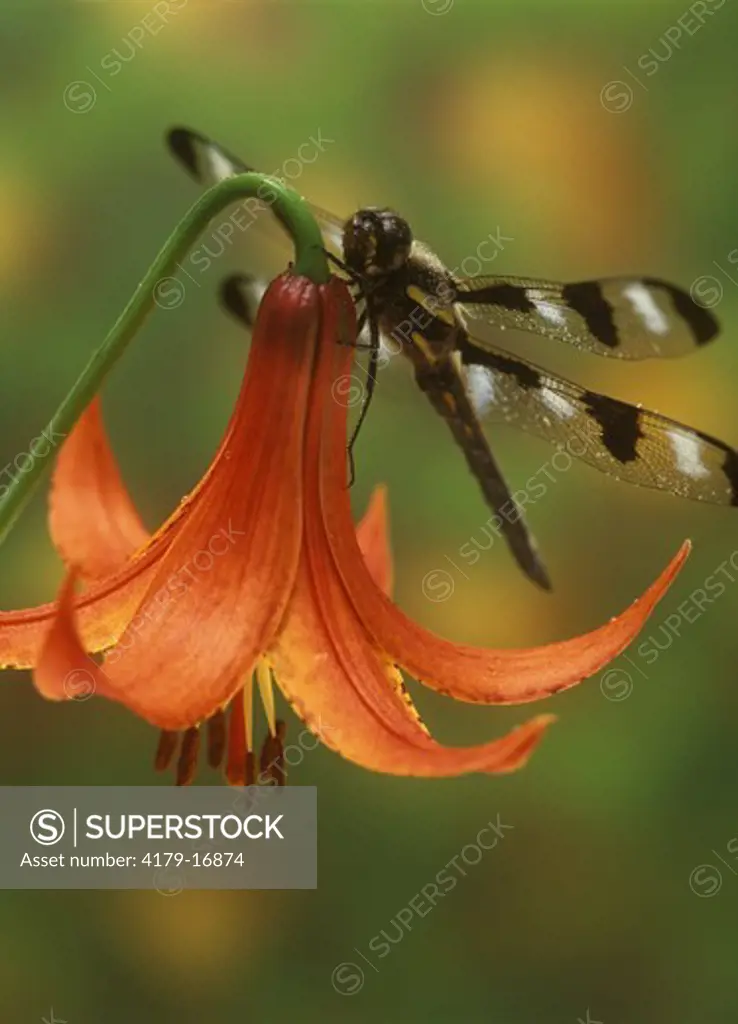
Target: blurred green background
[468, 117]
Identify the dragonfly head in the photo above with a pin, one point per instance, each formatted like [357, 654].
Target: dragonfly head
[376, 241]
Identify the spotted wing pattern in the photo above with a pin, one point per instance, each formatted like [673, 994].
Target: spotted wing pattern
[621, 317]
[626, 441]
[208, 163]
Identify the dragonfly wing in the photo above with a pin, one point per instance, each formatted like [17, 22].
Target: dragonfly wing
[208, 163]
[621, 317]
[443, 383]
[626, 441]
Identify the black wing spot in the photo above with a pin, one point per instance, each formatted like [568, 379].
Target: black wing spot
[510, 296]
[526, 376]
[587, 299]
[730, 468]
[233, 296]
[620, 424]
[699, 319]
[181, 142]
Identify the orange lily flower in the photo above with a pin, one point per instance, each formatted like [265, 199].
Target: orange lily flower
[261, 573]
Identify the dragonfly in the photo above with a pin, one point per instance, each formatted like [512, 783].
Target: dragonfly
[407, 296]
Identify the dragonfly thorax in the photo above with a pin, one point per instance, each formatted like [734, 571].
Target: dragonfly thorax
[376, 241]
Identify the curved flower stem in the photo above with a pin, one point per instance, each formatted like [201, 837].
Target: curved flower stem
[294, 214]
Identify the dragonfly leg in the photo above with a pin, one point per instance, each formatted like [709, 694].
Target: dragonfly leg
[371, 381]
[443, 384]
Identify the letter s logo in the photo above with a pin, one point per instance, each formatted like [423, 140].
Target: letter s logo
[47, 827]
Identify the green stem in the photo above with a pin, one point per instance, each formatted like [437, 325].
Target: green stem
[158, 287]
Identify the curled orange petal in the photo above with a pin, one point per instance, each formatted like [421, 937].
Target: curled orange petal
[63, 667]
[104, 610]
[92, 520]
[372, 534]
[339, 685]
[338, 680]
[218, 593]
[468, 673]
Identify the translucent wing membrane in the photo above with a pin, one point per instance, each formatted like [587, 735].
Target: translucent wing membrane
[621, 317]
[208, 163]
[626, 441]
[421, 303]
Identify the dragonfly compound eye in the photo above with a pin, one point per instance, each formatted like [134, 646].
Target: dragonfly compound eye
[376, 241]
[394, 241]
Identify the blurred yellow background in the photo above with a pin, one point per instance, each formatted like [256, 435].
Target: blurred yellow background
[601, 138]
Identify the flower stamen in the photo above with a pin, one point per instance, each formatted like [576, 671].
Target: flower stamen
[187, 764]
[271, 763]
[266, 690]
[168, 742]
[248, 717]
[216, 738]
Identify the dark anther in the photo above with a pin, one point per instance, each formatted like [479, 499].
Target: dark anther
[271, 762]
[216, 739]
[165, 750]
[187, 764]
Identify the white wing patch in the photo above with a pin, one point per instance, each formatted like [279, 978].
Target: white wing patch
[554, 314]
[549, 310]
[332, 234]
[220, 166]
[558, 405]
[482, 389]
[688, 454]
[645, 306]
[257, 291]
